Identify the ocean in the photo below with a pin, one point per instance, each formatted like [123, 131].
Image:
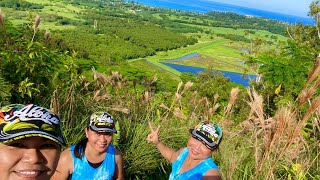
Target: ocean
[205, 6]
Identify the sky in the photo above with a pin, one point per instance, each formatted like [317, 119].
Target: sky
[291, 7]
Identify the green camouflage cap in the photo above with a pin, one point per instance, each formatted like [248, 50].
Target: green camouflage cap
[19, 121]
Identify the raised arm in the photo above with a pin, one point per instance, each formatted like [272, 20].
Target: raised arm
[119, 172]
[167, 152]
[65, 166]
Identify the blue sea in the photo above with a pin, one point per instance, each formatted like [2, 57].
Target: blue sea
[205, 6]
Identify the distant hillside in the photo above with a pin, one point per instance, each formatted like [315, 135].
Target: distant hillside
[111, 32]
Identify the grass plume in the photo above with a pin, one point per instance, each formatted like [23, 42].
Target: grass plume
[2, 18]
[35, 26]
[233, 97]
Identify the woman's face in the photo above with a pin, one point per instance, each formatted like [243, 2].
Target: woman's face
[99, 140]
[197, 150]
[32, 158]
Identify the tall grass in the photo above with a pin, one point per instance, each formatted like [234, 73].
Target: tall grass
[277, 143]
[259, 147]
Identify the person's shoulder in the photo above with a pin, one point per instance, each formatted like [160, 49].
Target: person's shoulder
[65, 165]
[117, 152]
[182, 149]
[65, 155]
[118, 157]
[119, 171]
[176, 154]
[212, 174]
[66, 150]
[179, 151]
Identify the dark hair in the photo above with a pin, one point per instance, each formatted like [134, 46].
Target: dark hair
[80, 147]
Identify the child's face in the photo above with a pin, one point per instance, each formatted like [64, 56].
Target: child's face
[33, 158]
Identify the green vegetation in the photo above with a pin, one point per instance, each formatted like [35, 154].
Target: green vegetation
[112, 41]
[107, 56]
[20, 5]
[103, 31]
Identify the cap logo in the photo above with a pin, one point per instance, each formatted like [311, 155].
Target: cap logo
[105, 118]
[210, 129]
[31, 112]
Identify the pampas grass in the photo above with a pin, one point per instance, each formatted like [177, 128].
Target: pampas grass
[257, 148]
[233, 97]
[35, 26]
[47, 37]
[2, 23]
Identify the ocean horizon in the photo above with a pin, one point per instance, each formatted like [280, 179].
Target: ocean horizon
[205, 7]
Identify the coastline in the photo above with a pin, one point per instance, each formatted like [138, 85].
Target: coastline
[205, 7]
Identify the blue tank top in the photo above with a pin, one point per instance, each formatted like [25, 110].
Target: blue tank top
[83, 171]
[195, 173]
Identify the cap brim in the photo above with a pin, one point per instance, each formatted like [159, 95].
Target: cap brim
[201, 137]
[103, 129]
[7, 138]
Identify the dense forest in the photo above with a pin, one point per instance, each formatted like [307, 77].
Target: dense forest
[96, 56]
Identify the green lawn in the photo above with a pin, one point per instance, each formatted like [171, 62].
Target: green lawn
[221, 30]
[220, 53]
[50, 8]
[215, 53]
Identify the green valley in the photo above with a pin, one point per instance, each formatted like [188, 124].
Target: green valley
[81, 56]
